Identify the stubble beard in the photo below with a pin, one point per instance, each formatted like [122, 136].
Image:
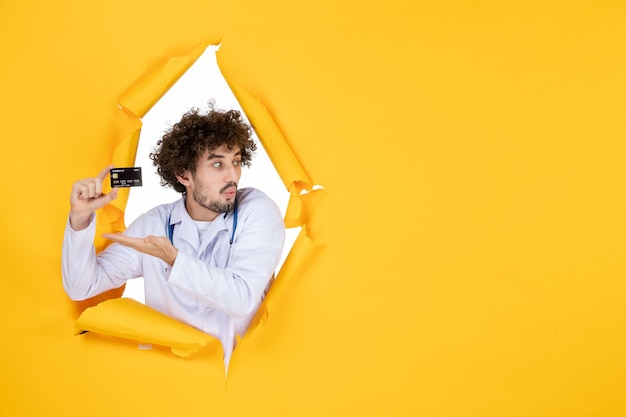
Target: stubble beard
[215, 206]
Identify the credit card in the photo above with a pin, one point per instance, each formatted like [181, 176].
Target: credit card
[126, 177]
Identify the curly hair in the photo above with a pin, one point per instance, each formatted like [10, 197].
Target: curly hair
[186, 141]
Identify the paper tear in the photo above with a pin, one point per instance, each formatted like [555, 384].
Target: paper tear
[132, 106]
[149, 90]
[129, 319]
[303, 250]
[285, 161]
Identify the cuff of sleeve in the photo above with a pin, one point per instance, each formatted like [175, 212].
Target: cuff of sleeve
[175, 270]
[78, 234]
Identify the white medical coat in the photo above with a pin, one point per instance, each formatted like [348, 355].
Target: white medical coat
[211, 286]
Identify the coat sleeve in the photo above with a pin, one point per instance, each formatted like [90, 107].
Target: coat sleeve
[237, 289]
[86, 274]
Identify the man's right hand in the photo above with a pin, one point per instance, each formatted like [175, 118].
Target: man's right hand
[87, 197]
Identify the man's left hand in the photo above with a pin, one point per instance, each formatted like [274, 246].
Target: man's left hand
[157, 246]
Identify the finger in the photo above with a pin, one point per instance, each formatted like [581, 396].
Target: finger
[84, 189]
[98, 180]
[159, 241]
[103, 174]
[107, 198]
[131, 242]
[79, 189]
[93, 189]
[111, 236]
[117, 237]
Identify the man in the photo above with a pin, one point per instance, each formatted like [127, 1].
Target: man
[207, 259]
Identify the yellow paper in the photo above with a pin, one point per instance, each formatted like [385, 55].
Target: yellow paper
[472, 229]
[137, 101]
[150, 88]
[273, 140]
[129, 319]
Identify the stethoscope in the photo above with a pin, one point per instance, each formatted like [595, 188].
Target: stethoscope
[170, 227]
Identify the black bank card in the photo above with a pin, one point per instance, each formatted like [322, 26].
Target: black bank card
[126, 177]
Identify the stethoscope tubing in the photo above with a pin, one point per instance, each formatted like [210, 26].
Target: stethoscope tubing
[170, 227]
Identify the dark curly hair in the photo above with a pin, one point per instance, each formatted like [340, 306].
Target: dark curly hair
[184, 143]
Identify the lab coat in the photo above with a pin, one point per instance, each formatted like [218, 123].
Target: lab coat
[212, 286]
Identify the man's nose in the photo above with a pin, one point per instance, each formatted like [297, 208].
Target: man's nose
[231, 174]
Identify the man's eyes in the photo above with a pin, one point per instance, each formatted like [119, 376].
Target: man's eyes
[219, 164]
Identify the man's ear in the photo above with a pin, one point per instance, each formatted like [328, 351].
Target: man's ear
[184, 178]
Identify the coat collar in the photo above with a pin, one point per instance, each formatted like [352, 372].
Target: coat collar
[185, 228]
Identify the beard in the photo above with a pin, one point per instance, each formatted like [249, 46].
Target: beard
[215, 206]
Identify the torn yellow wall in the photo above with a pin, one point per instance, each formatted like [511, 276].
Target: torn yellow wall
[128, 319]
[472, 215]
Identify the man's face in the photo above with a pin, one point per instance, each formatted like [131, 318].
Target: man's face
[212, 188]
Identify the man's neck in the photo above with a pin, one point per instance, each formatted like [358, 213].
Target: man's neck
[198, 212]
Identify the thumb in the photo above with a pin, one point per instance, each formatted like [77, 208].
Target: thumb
[107, 198]
[159, 241]
[103, 200]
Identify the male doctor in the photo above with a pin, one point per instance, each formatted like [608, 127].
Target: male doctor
[208, 258]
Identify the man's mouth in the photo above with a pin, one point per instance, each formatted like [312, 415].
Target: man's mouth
[230, 190]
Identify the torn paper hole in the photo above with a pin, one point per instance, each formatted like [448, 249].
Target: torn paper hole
[145, 97]
[201, 82]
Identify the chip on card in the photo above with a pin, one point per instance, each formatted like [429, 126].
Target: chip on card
[126, 177]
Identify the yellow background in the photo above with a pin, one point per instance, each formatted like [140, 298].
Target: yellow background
[470, 240]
